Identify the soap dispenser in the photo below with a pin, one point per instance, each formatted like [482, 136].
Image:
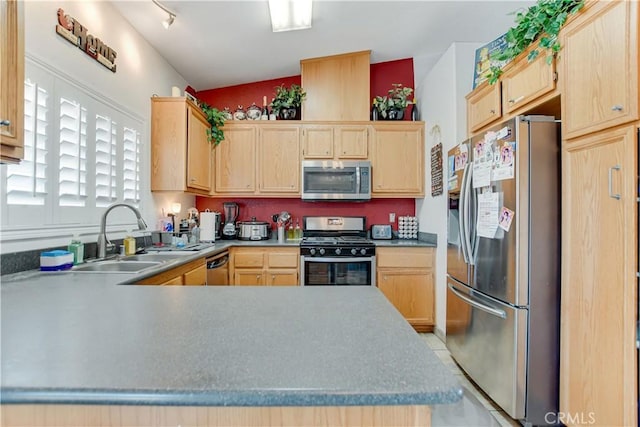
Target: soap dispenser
[76, 247]
[129, 244]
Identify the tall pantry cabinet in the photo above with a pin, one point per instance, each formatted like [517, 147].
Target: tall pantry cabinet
[598, 355]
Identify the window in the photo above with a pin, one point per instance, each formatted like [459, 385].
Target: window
[82, 153]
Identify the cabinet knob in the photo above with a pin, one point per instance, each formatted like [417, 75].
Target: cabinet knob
[492, 111]
[616, 108]
[326, 152]
[5, 122]
[518, 99]
[248, 185]
[192, 180]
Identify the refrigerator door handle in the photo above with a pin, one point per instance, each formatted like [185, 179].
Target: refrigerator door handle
[461, 222]
[467, 214]
[499, 313]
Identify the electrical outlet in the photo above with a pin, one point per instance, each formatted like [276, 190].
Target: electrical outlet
[392, 217]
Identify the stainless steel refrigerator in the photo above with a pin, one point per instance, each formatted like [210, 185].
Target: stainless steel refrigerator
[503, 270]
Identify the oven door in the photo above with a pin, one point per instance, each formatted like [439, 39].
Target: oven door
[320, 271]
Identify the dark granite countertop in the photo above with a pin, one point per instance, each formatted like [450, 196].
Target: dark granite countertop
[96, 343]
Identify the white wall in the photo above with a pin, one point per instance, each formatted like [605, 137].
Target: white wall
[141, 72]
[442, 97]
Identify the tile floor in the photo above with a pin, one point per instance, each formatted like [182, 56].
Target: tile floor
[475, 408]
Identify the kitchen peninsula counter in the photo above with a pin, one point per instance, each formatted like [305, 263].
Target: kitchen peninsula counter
[90, 345]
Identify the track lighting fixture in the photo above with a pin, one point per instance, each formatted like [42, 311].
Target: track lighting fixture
[172, 16]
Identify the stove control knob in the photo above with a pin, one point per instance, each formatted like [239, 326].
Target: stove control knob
[321, 251]
[338, 251]
[363, 251]
[353, 251]
[312, 251]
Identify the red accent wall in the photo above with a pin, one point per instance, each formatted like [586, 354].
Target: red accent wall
[377, 210]
[382, 76]
[245, 94]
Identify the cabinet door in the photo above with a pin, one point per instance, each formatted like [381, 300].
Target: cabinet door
[176, 281]
[235, 170]
[598, 366]
[168, 144]
[282, 277]
[527, 81]
[11, 81]
[317, 142]
[600, 71]
[279, 166]
[411, 292]
[483, 106]
[248, 277]
[198, 151]
[196, 277]
[351, 142]
[397, 160]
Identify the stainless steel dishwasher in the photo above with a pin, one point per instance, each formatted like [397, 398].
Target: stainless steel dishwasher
[218, 269]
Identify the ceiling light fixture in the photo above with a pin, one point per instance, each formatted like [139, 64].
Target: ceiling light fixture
[172, 16]
[288, 15]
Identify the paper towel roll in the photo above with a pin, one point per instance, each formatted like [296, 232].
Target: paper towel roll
[175, 91]
[207, 227]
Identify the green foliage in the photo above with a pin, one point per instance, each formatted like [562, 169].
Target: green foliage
[541, 22]
[216, 120]
[287, 98]
[397, 99]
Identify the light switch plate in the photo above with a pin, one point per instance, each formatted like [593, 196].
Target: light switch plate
[392, 217]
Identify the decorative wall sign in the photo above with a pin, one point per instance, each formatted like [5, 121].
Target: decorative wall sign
[75, 33]
[436, 162]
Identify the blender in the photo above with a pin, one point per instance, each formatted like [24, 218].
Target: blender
[229, 230]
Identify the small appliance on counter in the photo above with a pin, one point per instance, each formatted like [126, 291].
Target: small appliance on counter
[231, 210]
[381, 232]
[253, 230]
[209, 226]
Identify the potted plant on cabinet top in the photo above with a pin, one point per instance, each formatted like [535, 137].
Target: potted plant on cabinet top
[216, 119]
[287, 102]
[393, 105]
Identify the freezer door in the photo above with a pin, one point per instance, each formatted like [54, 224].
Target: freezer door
[488, 340]
[457, 257]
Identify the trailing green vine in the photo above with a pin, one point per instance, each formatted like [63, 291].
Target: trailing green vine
[541, 22]
[216, 119]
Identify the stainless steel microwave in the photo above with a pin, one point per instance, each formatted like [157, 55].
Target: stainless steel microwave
[336, 180]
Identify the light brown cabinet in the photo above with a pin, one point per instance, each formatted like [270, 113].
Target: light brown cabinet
[11, 81]
[264, 266]
[279, 159]
[397, 159]
[193, 273]
[484, 106]
[406, 277]
[235, 160]
[598, 366]
[526, 81]
[337, 87]
[180, 152]
[600, 68]
[336, 142]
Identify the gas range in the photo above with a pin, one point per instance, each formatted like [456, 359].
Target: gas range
[335, 237]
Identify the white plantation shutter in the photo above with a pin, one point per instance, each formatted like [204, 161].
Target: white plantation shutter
[72, 180]
[26, 182]
[105, 164]
[131, 166]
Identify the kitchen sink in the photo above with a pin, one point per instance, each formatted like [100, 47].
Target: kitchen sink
[159, 257]
[115, 266]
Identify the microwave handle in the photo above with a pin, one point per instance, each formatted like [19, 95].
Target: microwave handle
[358, 179]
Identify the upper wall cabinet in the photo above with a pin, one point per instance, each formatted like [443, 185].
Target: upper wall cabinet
[483, 106]
[397, 159]
[235, 160]
[600, 65]
[180, 152]
[11, 81]
[279, 159]
[337, 87]
[335, 141]
[526, 81]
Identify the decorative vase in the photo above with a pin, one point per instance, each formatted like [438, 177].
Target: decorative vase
[395, 114]
[292, 113]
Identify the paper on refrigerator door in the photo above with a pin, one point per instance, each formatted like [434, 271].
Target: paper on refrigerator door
[488, 211]
[481, 174]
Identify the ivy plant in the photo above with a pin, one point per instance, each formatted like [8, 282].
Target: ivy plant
[216, 119]
[540, 23]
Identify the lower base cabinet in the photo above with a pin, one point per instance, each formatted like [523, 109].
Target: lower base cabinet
[193, 273]
[406, 277]
[265, 266]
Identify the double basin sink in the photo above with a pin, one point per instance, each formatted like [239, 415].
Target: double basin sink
[129, 264]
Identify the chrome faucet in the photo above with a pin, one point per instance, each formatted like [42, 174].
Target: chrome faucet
[103, 242]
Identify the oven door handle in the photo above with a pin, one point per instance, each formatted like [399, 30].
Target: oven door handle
[338, 259]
